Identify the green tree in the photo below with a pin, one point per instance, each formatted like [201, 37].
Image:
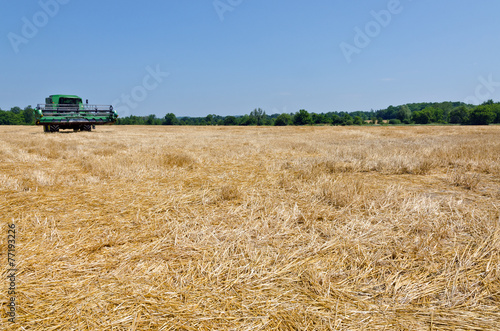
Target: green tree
[320, 119]
[390, 112]
[170, 119]
[446, 107]
[283, 120]
[482, 115]
[258, 115]
[150, 120]
[404, 113]
[358, 120]
[15, 110]
[496, 109]
[247, 120]
[28, 115]
[336, 120]
[421, 117]
[459, 115]
[9, 118]
[437, 115]
[230, 120]
[347, 120]
[302, 117]
[209, 119]
[428, 115]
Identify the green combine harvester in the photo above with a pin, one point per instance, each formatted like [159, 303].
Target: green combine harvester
[69, 112]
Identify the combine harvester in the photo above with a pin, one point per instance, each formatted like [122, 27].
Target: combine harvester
[69, 112]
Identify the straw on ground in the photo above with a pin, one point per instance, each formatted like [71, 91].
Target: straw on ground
[254, 228]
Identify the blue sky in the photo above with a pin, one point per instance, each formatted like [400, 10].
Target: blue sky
[227, 57]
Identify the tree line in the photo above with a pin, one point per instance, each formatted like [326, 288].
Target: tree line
[17, 116]
[412, 113]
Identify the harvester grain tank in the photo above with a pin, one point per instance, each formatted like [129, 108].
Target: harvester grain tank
[69, 112]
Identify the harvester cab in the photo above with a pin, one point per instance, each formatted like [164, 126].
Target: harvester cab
[69, 112]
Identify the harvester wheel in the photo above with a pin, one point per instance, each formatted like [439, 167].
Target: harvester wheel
[87, 128]
[54, 128]
[46, 128]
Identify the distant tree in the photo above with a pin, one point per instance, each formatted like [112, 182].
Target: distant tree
[16, 110]
[302, 117]
[230, 120]
[246, 120]
[428, 115]
[320, 118]
[283, 120]
[361, 114]
[422, 117]
[170, 119]
[316, 118]
[404, 113]
[347, 120]
[28, 115]
[358, 120]
[437, 115]
[394, 121]
[482, 115]
[390, 112]
[446, 107]
[258, 115]
[150, 119]
[336, 120]
[9, 118]
[459, 115]
[493, 108]
[496, 109]
[209, 119]
[137, 120]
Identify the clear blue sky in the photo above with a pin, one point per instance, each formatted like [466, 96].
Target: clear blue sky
[228, 57]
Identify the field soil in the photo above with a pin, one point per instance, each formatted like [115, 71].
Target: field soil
[252, 228]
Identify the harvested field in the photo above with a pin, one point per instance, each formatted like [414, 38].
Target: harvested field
[293, 228]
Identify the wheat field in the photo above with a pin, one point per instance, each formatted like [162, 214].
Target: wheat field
[253, 228]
